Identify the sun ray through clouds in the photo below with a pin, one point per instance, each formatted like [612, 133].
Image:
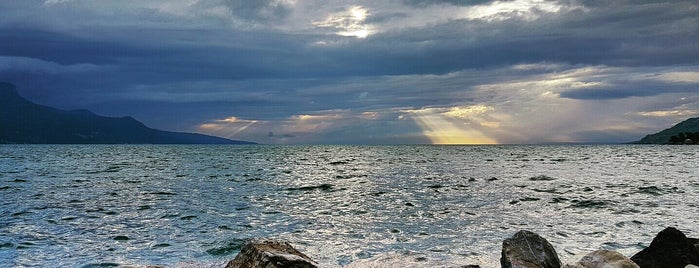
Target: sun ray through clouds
[439, 128]
[228, 127]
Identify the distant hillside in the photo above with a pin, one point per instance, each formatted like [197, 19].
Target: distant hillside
[22, 121]
[663, 137]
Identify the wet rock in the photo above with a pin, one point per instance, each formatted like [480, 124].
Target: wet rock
[121, 238]
[267, 253]
[603, 259]
[323, 187]
[528, 250]
[669, 249]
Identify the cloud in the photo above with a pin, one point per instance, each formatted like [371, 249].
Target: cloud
[527, 10]
[680, 77]
[641, 82]
[468, 111]
[671, 113]
[245, 14]
[424, 3]
[53, 2]
[350, 22]
[32, 65]
[260, 10]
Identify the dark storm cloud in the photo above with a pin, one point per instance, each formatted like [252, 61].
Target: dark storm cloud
[606, 94]
[391, 53]
[62, 48]
[262, 11]
[634, 35]
[118, 64]
[423, 3]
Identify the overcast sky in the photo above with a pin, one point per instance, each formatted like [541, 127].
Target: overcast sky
[367, 72]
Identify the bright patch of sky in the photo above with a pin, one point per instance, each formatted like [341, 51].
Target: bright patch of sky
[350, 22]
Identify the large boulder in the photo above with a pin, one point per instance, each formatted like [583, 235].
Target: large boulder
[669, 249]
[528, 250]
[603, 259]
[267, 253]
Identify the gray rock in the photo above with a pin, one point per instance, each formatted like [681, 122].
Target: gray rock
[528, 250]
[669, 249]
[267, 253]
[603, 259]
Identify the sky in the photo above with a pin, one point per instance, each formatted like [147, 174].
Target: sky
[364, 72]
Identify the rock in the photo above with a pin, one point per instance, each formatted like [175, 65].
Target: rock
[404, 260]
[265, 253]
[121, 238]
[695, 242]
[528, 250]
[603, 259]
[669, 249]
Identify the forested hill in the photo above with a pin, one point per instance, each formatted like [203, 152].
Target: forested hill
[677, 134]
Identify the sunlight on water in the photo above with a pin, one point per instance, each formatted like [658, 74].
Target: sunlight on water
[421, 206]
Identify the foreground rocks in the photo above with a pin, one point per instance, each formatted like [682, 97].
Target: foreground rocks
[270, 254]
[525, 249]
[669, 249]
[603, 259]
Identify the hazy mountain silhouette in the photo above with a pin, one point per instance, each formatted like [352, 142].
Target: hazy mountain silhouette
[22, 121]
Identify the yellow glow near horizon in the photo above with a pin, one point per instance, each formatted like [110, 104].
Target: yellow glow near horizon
[227, 127]
[439, 130]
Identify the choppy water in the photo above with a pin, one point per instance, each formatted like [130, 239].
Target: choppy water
[102, 206]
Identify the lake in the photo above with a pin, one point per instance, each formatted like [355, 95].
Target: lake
[424, 205]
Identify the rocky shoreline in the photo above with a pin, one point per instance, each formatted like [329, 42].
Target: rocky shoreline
[669, 249]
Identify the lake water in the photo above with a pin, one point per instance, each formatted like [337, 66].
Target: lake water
[423, 206]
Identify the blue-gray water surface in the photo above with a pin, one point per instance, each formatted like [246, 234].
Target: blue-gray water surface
[193, 206]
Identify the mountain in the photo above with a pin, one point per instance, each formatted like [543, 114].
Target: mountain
[663, 137]
[22, 121]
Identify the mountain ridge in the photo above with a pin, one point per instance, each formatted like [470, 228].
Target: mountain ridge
[22, 121]
[690, 125]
